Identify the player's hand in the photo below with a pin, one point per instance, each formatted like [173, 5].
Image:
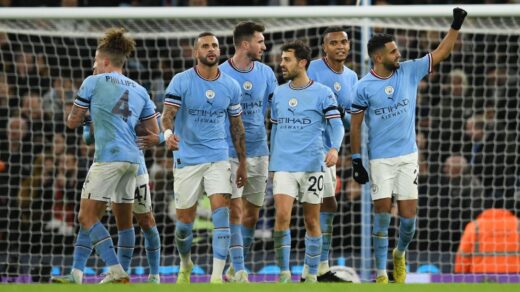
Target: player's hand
[458, 17]
[359, 174]
[332, 157]
[173, 142]
[241, 175]
[148, 141]
[87, 120]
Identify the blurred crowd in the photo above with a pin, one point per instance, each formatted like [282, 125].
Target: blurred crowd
[468, 135]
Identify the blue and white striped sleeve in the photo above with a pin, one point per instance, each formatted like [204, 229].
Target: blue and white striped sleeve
[330, 106]
[85, 92]
[174, 91]
[235, 109]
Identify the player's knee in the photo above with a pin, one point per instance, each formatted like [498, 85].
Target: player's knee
[249, 220]
[329, 205]
[146, 221]
[283, 219]
[312, 223]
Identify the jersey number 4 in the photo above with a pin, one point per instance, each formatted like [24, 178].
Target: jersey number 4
[122, 108]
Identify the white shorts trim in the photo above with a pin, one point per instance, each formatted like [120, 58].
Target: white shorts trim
[396, 175]
[306, 187]
[110, 182]
[257, 172]
[330, 181]
[192, 182]
[142, 197]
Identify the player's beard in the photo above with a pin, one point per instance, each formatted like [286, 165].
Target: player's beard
[253, 56]
[391, 66]
[205, 61]
[288, 75]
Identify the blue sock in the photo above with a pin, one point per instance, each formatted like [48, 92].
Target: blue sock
[247, 238]
[406, 232]
[152, 244]
[102, 242]
[82, 250]
[380, 236]
[183, 237]
[221, 233]
[326, 219]
[282, 248]
[125, 247]
[313, 253]
[236, 249]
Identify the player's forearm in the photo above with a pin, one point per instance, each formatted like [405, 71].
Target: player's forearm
[445, 47]
[76, 117]
[355, 133]
[168, 115]
[337, 133]
[238, 136]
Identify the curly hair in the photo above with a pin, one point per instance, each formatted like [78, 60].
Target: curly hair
[116, 46]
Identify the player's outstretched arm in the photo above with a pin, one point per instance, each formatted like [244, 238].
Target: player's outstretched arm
[238, 136]
[168, 114]
[446, 46]
[76, 117]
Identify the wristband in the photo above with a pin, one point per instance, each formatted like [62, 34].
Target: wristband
[356, 156]
[167, 134]
[161, 138]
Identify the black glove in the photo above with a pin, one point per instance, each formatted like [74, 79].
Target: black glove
[458, 17]
[360, 174]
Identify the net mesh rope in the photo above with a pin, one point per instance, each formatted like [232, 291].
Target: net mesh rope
[467, 128]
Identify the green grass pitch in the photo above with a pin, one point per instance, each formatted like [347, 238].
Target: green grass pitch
[263, 288]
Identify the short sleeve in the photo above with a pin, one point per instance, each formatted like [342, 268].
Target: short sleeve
[175, 91]
[419, 68]
[274, 113]
[85, 92]
[148, 109]
[359, 101]
[235, 109]
[329, 105]
[272, 83]
[351, 93]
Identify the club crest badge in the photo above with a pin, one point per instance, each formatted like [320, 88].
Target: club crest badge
[293, 102]
[210, 94]
[247, 85]
[389, 90]
[337, 86]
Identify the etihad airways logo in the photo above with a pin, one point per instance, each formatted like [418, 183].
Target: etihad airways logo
[393, 110]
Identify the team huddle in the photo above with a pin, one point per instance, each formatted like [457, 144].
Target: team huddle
[213, 120]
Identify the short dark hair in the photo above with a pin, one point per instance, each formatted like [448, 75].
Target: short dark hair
[246, 30]
[378, 41]
[201, 35]
[301, 50]
[331, 29]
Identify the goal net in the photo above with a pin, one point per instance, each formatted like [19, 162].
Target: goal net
[467, 132]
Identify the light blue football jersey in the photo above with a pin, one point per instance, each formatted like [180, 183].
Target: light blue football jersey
[299, 115]
[142, 163]
[200, 122]
[257, 85]
[341, 83]
[389, 105]
[116, 104]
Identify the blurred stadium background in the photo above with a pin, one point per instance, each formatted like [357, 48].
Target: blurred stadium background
[468, 127]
